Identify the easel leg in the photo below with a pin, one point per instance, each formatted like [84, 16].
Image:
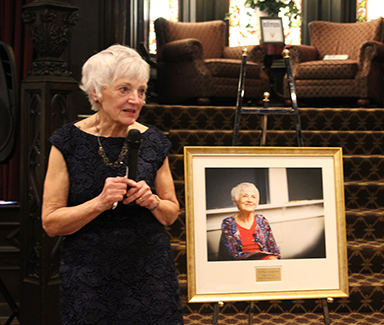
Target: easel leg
[264, 121]
[251, 311]
[327, 320]
[216, 310]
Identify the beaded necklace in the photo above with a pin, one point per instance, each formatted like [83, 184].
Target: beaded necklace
[103, 155]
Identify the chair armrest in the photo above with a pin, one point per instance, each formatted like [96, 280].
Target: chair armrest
[189, 49]
[372, 50]
[254, 53]
[302, 53]
[371, 58]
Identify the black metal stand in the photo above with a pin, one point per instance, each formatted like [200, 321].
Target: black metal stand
[251, 312]
[240, 96]
[12, 304]
[327, 320]
[266, 110]
[216, 311]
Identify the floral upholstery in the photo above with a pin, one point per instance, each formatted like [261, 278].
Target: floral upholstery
[193, 62]
[361, 76]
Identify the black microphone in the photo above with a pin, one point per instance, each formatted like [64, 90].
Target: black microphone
[134, 142]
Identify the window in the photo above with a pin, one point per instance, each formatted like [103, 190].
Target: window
[244, 30]
[168, 9]
[219, 188]
[369, 9]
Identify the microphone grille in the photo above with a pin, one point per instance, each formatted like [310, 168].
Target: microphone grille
[134, 139]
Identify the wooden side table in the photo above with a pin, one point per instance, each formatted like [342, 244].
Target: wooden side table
[273, 51]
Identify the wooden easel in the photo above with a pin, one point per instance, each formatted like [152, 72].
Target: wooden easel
[265, 111]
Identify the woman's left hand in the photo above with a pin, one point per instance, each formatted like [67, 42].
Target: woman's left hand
[165, 206]
[141, 194]
[273, 257]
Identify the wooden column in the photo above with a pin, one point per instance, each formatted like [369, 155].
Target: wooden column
[47, 100]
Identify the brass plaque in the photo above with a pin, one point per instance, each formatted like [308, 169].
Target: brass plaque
[266, 274]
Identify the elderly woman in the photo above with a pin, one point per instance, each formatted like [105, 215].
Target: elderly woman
[247, 235]
[117, 265]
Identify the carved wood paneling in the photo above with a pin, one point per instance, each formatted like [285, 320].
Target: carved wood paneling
[9, 254]
[46, 105]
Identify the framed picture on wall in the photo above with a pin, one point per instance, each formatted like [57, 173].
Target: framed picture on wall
[299, 223]
[271, 30]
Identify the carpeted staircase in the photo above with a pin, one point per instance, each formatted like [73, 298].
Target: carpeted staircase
[360, 133]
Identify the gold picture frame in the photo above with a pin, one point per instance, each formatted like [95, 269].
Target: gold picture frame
[211, 169]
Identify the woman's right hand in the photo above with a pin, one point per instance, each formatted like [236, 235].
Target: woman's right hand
[115, 189]
[60, 219]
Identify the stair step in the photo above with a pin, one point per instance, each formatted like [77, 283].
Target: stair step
[360, 280]
[363, 168]
[222, 118]
[344, 119]
[365, 256]
[364, 195]
[353, 143]
[365, 224]
[179, 254]
[177, 231]
[176, 163]
[268, 318]
[180, 192]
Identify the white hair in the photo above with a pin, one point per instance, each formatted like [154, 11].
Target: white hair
[103, 68]
[235, 192]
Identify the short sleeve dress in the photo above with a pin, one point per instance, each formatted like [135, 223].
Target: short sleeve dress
[119, 268]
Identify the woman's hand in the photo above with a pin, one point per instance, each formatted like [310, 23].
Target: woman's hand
[115, 189]
[165, 206]
[141, 194]
[273, 257]
[57, 217]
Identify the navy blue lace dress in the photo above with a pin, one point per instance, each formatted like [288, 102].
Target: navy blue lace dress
[119, 268]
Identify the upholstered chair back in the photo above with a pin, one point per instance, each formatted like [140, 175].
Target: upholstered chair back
[194, 65]
[211, 35]
[340, 38]
[358, 77]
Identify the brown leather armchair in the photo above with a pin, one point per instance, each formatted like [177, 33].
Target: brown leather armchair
[360, 77]
[193, 64]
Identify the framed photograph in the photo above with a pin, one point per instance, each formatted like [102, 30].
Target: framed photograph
[271, 30]
[299, 223]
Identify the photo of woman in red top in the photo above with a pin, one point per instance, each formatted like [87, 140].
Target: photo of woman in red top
[247, 235]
